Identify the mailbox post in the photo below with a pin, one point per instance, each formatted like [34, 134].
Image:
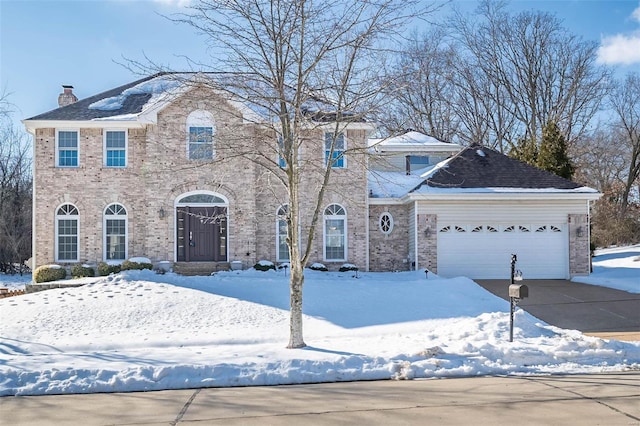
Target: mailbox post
[517, 292]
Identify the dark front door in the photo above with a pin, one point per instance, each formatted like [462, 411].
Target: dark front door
[202, 234]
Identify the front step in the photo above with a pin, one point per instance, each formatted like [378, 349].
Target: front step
[200, 268]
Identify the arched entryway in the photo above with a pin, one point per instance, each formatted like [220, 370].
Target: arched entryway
[201, 227]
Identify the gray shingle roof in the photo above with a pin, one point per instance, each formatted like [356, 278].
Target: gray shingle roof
[480, 167]
[80, 110]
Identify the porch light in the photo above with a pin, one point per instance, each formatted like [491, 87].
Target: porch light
[579, 231]
[161, 213]
[427, 232]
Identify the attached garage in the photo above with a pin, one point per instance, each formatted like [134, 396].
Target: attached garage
[473, 211]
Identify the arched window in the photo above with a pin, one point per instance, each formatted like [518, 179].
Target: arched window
[386, 223]
[282, 249]
[335, 233]
[115, 232]
[200, 135]
[67, 233]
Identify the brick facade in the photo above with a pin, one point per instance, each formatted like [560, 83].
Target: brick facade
[158, 172]
[389, 252]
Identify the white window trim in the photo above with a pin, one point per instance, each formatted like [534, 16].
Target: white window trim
[344, 149]
[278, 219]
[391, 223]
[126, 148]
[104, 231]
[324, 234]
[57, 150]
[56, 247]
[200, 118]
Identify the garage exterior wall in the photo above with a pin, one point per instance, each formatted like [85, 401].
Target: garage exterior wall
[571, 214]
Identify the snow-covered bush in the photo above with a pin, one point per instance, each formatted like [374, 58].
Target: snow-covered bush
[105, 269]
[80, 271]
[318, 267]
[348, 267]
[136, 264]
[46, 273]
[264, 265]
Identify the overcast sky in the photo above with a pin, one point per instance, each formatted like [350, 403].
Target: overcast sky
[47, 43]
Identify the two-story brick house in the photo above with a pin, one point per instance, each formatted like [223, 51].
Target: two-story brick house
[134, 171]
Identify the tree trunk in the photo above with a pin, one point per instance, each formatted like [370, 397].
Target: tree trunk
[296, 282]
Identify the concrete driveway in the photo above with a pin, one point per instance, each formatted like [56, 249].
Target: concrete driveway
[594, 310]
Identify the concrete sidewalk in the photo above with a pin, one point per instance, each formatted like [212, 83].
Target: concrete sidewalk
[607, 399]
[594, 310]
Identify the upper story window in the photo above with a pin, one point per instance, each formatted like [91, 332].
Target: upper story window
[67, 233]
[281, 161]
[416, 162]
[67, 148]
[200, 135]
[337, 159]
[115, 148]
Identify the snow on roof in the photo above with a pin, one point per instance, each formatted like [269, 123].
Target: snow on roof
[156, 87]
[425, 189]
[394, 184]
[412, 140]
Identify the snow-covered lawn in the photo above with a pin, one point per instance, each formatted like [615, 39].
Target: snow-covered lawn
[142, 331]
[616, 268]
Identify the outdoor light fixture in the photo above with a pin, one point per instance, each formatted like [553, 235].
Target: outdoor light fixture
[427, 232]
[161, 213]
[579, 231]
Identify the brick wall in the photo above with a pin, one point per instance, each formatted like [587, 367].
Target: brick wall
[389, 252]
[158, 172]
[427, 230]
[579, 250]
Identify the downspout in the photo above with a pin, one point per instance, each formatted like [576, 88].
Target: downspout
[415, 234]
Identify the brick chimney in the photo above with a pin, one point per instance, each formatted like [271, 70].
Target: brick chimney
[66, 97]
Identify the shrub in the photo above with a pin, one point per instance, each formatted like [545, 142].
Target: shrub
[48, 273]
[264, 265]
[105, 269]
[348, 267]
[318, 267]
[80, 271]
[129, 265]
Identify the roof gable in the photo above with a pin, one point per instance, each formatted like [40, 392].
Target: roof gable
[480, 167]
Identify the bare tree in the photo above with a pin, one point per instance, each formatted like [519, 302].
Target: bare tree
[15, 192]
[530, 70]
[625, 101]
[303, 65]
[423, 94]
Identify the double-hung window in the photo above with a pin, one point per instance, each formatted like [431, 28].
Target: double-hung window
[281, 161]
[335, 233]
[281, 234]
[67, 148]
[67, 233]
[337, 157]
[115, 148]
[115, 232]
[200, 143]
[201, 132]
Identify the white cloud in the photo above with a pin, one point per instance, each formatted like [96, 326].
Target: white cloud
[620, 49]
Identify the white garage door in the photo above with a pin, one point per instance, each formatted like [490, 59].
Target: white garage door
[484, 251]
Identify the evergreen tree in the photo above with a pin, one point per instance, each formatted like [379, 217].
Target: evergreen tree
[526, 150]
[553, 156]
